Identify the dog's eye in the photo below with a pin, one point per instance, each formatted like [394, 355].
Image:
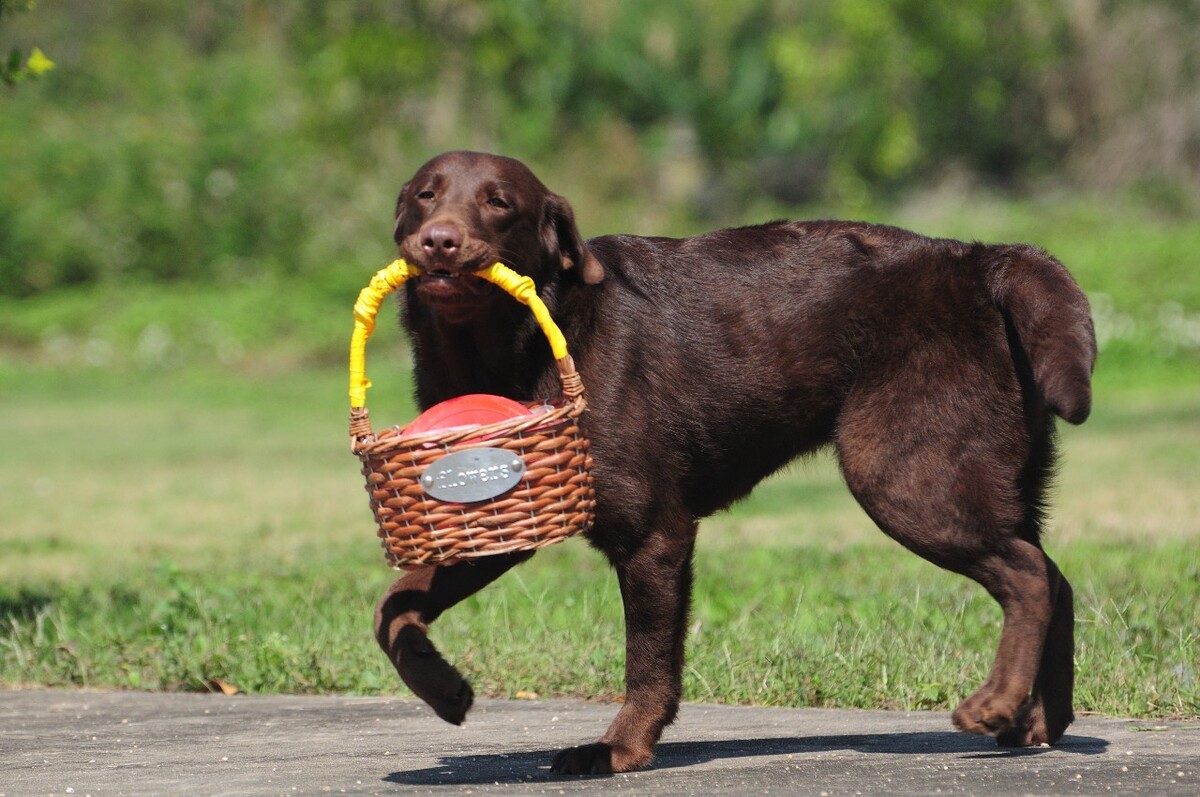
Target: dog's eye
[497, 202]
[425, 195]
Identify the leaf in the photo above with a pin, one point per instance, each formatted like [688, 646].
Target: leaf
[224, 687]
[38, 63]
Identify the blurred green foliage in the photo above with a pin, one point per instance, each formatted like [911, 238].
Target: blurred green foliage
[214, 176]
[16, 67]
[229, 139]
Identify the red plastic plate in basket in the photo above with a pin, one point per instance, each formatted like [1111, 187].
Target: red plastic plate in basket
[475, 409]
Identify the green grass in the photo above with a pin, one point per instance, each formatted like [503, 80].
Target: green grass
[168, 531]
[865, 627]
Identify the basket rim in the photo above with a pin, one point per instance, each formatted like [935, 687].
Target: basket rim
[371, 443]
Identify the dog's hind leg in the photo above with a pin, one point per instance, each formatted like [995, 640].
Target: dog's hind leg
[1021, 580]
[1048, 712]
[402, 620]
[940, 468]
[656, 586]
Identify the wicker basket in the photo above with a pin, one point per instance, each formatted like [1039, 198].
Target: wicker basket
[540, 461]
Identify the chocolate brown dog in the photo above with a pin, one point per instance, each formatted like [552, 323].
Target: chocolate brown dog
[933, 367]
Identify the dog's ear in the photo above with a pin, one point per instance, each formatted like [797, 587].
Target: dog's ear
[396, 236]
[561, 238]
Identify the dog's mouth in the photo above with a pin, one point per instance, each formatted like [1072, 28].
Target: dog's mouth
[444, 287]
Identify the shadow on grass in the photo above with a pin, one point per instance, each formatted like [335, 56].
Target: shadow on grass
[23, 605]
[534, 766]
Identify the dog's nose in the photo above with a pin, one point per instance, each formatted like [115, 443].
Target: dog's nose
[441, 241]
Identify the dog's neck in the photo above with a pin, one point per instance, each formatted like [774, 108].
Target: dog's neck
[498, 352]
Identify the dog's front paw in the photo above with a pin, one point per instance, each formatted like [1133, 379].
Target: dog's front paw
[431, 677]
[599, 759]
[587, 759]
[453, 708]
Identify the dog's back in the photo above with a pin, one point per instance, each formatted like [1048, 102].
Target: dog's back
[717, 359]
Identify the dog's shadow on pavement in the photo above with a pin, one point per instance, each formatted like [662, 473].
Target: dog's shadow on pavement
[534, 766]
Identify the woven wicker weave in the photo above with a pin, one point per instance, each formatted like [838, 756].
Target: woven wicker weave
[553, 500]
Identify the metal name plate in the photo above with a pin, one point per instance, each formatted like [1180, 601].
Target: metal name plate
[475, 475]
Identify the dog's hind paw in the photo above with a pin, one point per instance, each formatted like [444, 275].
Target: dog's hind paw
[1033, 729]
[983, 713]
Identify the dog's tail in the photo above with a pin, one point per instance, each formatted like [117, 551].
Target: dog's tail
[1050, 315]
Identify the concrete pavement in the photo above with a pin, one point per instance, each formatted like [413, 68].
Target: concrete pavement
[130, 743]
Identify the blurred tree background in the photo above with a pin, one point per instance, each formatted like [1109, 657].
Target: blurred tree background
[234, 142]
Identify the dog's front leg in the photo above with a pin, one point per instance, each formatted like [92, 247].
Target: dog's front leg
[402, 621]
[656, 586]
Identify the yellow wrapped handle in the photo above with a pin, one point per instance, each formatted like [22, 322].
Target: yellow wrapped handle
[396, 274]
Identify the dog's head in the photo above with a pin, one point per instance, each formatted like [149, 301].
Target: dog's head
[463, 211]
